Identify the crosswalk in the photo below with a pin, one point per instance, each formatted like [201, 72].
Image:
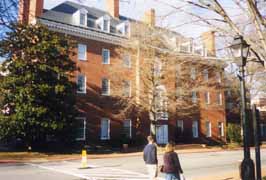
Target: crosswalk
[92, 172]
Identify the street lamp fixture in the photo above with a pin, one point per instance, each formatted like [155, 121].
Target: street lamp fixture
[240, 50]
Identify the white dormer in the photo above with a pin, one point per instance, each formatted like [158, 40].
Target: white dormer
[104, 23]
[124, 28]
[80, 17]
[185, 47]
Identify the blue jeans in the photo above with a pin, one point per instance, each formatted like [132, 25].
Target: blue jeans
[171, 176]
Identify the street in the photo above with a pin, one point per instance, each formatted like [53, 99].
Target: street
[194, 165]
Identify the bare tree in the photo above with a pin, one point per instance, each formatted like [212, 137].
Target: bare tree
[8, 15]
[162, 78]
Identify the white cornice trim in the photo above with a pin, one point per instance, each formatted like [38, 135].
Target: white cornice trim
[87, 33]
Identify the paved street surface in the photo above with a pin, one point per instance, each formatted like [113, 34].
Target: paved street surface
[195, 165]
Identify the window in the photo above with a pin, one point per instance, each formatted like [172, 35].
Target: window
[263, 130]
[127, 60]
[193, 73]
[194, 96]
[218, 77]
[157, 67]
[81, 83]
[82, 52]
[185, 47]
[82, 19]
[105, 86]
[105, 129]
[126, 88]
[106, 25]
[126, 31]
[208, 129]
[207, 97]
[195, 129]
[221, 129]
[81, 129]
[180, 126]
[127, 128]
[219, 98]
[205, 75]
[105, 56]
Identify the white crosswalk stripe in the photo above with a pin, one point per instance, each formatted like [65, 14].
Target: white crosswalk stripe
[92, 172]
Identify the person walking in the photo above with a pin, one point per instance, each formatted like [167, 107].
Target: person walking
[150, 158]
[171, 166]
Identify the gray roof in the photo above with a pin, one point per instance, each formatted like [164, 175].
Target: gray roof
[64, 11]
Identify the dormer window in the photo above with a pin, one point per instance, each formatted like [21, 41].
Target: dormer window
[104, 23]
[123, 28]
[81, 17]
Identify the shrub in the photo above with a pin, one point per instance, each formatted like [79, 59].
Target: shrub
[234, 133]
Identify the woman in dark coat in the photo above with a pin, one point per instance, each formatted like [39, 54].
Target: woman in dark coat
[171, 167]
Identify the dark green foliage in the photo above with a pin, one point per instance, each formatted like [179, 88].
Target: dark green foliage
[234, 133]
[37, 88]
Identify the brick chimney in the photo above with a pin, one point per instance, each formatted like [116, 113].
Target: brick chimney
[149, 17]
[29, 10]
[113, 7]
[208, 39]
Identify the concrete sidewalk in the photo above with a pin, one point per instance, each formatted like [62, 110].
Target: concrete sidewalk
[21, 157]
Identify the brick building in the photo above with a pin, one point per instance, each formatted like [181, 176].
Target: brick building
[98, 34]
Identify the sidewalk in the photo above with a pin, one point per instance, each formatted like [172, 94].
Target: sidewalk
[20, 157]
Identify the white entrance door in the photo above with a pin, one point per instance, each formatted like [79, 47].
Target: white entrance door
[162, 134]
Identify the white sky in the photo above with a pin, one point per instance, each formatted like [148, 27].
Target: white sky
[136, 8]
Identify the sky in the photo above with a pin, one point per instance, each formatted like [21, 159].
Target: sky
[165, 15]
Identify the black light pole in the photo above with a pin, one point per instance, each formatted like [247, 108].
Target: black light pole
[241, 49]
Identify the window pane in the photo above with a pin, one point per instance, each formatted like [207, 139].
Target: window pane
[81, 129]
[82, 19]
[205, 75]
[208, 129]
[105, 25]
[195, 129]
[127, 128]
[82, 50]
[193, 73]
[106, 56]
[207, 97]
[81, 83]
[127, 60]
[180, 126]
[221, 129]
[194, 96]
[126, 88]
[105, 128]
[105, 86]
[219, 99]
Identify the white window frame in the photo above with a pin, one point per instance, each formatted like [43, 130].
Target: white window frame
[193, 73]
[219, 77]
[84, 128]
[208, 133]
[207, 101]
[130, 127]
[220, 98]
[85, 18]
[108, 129]
[108, 88]
[206, 75]
[180, 124]
[194, 97]
[222, 129]
[121, 28]
[82, 57]
[85, 84]
[105, 50]
[195, 128]
[101, 20]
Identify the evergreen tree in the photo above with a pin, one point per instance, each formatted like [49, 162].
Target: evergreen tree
[37, 91]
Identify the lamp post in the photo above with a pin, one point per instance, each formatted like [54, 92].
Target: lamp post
[241, 50]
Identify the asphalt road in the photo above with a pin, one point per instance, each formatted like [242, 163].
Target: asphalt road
[133, 168]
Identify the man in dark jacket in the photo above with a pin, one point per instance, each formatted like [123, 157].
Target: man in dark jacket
[150, 158]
